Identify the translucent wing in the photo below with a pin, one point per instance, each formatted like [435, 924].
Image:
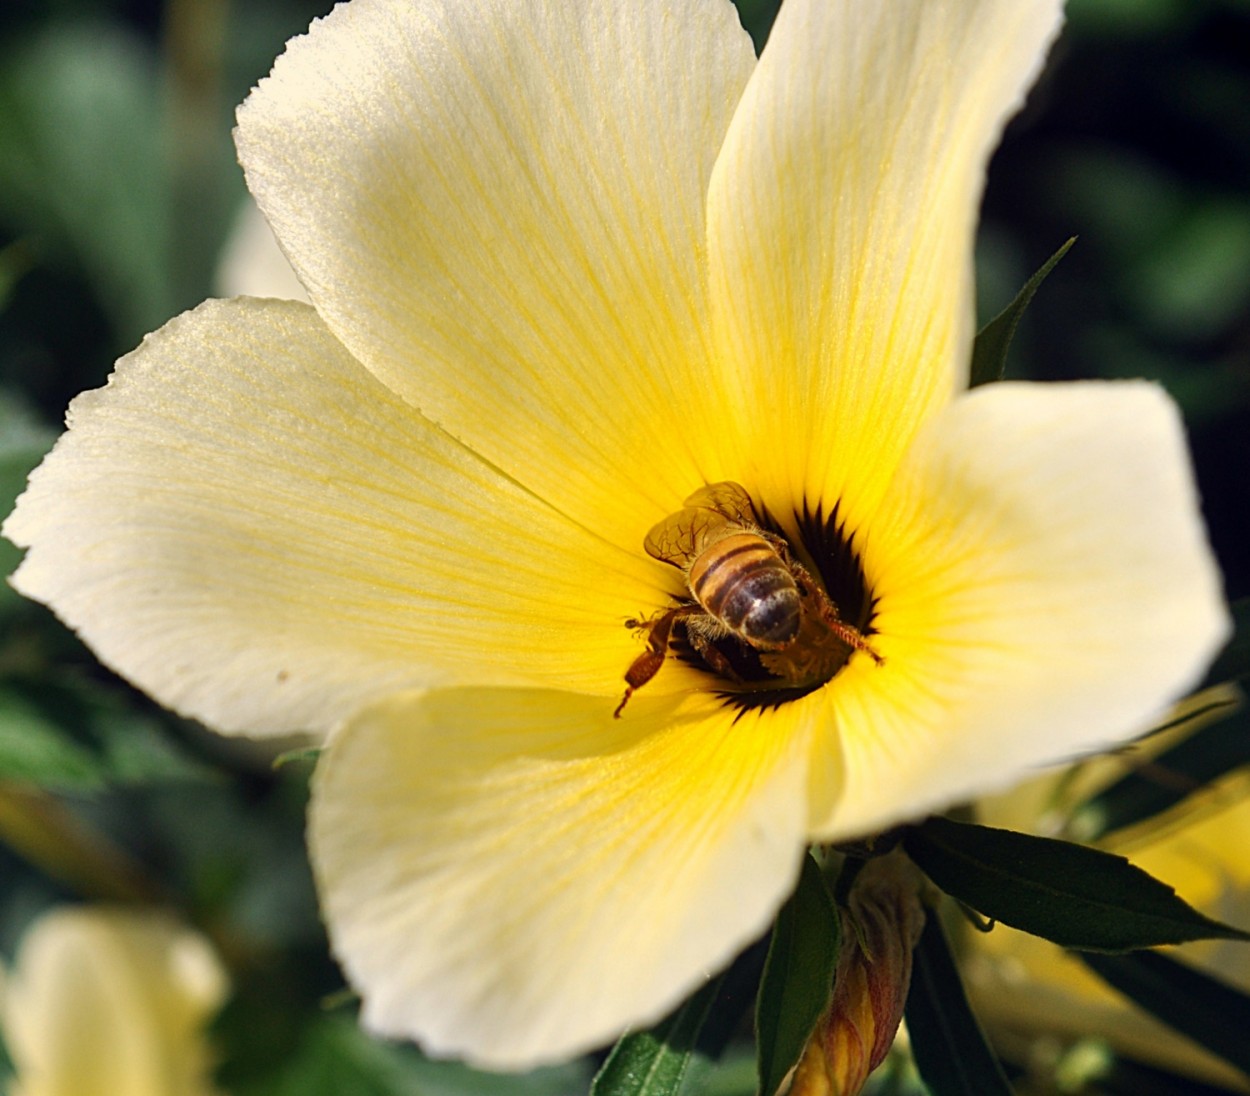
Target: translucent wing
[681, 536]
[727, 498]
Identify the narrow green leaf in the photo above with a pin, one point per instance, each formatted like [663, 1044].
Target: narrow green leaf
[1126, 1077]
[1176, 773]
[989, 351]
[657, 1062]
[307, 754]
[34, 750]
[23, 442]
[1076, 896]
[668, 1058]
[798, 977]
[1233, 663]
[83, 164]
[1209, 1011]
[947, 1042]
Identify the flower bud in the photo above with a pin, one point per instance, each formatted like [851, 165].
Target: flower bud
[880, 928]
[111, 1000]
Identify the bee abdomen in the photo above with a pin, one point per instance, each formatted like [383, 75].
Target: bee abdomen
[742, 582]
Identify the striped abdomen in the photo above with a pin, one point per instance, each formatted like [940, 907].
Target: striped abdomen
[743, 582]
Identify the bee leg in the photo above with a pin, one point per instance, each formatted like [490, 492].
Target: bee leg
[847, 633]
[807, 585]
[827, 610]
[701, 641]
[713, 656]
[659, 631]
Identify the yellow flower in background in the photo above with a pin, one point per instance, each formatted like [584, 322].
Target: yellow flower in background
[104, 1001]
[569, 264]
[1025, 988]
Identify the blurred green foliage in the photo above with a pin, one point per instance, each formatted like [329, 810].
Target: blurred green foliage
[117, 189]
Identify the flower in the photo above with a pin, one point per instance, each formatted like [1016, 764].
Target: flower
[880, 928]
[105, 999]
[1028, 990]
[568, 265]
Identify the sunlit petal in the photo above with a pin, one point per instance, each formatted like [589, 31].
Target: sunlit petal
[515, 876]
[1044, 589]
[499, 208]
[841, 217]
[258, 533]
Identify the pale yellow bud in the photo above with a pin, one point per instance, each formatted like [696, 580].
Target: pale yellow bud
[111, 1001]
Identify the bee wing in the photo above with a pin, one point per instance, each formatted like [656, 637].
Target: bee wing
[727, 498]
[677, 539]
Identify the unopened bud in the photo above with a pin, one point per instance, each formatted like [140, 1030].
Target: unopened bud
[879, 933]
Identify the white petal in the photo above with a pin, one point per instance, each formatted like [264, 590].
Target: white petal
[252, 263]
[514, 876]
[498, 206]
[256, 532]
[841, 218]
[1044, 589]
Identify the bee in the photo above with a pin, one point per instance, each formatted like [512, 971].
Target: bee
[743, 583]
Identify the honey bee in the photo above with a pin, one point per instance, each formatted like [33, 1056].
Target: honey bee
[743, 583]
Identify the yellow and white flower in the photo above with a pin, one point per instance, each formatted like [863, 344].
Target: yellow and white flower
[110, 1000]
[568, 263]
[1030, 991]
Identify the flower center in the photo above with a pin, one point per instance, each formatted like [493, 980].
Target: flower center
[835, 617]
[771, 619]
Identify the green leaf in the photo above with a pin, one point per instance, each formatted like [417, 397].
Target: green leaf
[82, 166]
[798, 976]
[989, 351]
[672, 1056]
[1073, 895]
[68, 733]
[335, 1057]
[657, 1062]
[1174, 774]
[947, 1042]
[299, 755]
[34, 750]
[23, 442]
[1209, 1011]
[1233, 663]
